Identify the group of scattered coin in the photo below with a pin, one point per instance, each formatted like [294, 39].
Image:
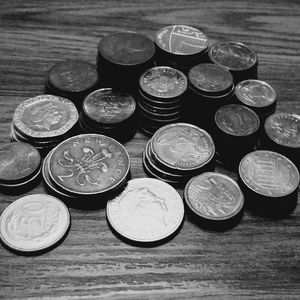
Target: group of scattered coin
[200, 106]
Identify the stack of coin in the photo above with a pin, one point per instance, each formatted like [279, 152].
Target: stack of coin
[19, 167]
[122, 57]
[160, 96]
[44, 121]
[176, 152]
[235, 57]
[72, 79]
[109, 112]
[180, 47]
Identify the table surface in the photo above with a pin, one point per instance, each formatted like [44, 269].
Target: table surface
[258, 258]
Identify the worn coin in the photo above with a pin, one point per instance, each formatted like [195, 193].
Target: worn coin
[148, 210]
[88, 164]
[34, 222]
[214, 196]
[269, 173]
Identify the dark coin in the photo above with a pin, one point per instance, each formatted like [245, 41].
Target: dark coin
[159, 110]
[159, 102]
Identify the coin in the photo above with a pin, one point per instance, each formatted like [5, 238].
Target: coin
[148, 210]
[45, 116]
[269, 173]
[88, 164]
[18, 162]
[214, 196]
[34, 222]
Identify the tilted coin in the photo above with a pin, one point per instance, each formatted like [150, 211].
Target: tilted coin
[148, 210]
[88, 164]
[34, 222]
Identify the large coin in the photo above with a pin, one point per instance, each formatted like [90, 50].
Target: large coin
[269, 173]
[18, 162]
[148, 210]
[214, 196]
[45, 116]
[34, 222]
[88, 164]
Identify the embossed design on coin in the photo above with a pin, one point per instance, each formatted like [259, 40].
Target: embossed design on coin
[147, 210]
[181, 39]
[214, 196]
[269, 173]
[88, 164]
[45, 116]
[34, 222]
[255, 93]
[284, 129]
[182, 146]
[237, 120]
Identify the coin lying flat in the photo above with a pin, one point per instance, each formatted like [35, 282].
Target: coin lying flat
[88, 164]
[148, 210]
[34, 222]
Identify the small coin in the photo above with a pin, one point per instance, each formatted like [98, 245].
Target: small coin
[237, 120]
[181, 40]
[148, 210]
[233, 56]
[18, 162]
[108, 106]
[45, 116]
[284, 129]
[269, 173]
[88, 164]
[34, 222]
[214, 196]
[163, 82]
[255, 93]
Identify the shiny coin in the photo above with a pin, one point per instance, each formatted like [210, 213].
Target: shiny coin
[45, 116]
[214, 196]
[88, 164]
[269, 173]
[34, 222]
[148, 210]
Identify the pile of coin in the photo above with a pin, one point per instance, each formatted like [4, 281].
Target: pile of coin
[109, 112]
[161, 93]
[44, 121]
[176, 152]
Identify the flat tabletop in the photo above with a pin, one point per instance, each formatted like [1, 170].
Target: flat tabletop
[257, 259]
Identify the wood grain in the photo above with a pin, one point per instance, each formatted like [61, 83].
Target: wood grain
[257, 259]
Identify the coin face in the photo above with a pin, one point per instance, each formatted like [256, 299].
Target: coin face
[233, 56]
[214, 196]
[34, 222]
[182, 146]
[255, 93]
[109, 106]
[284, 129]
[88, 164]
[269, 173]
[18, 161]
[210, 78]
[181, 39]
[126, 48]
[163, 82]
[45, 116]
[147, 210]
[73, 75]
[237, 120]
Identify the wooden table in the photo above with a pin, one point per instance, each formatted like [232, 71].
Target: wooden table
[259, 258]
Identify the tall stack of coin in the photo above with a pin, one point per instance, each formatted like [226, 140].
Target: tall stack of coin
[122, 57]
[44, 121]
[72, 79]
[176, 152]
[109, 112]
[19, 166]
[160, 96]
[236, 57]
